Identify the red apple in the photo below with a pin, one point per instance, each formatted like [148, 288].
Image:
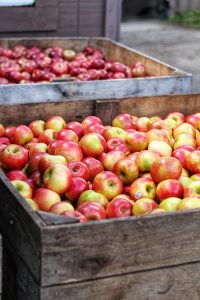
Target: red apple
[45, 198]
[47, 136]
[22, 135]
[124, 121]
[16, 175]
[56, 123]
[94, 165]
[59, 207]
[93, 144]
[67, 135]
[111, 158]
[143, 188]
[74, 214]
[78, 186]
[70, 150]
[92, 211]
[118, 208]
[169, 188]
[145, 159]
[37, 127]
[193, 161]
[127, 170]
[13, 157]
[144, 206]
[90, 120]
[79, 169]
[76, 127]
[47, 161]
[136, 141]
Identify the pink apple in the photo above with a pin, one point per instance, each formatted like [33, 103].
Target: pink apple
[13, 157]
[193, 161]
[136, 141]
[169, 188]
[37, 127]
[16, 175]
[94, 165]
[48, 160]
[47, 136]
[113, 132]
[45, 198]
[92, 211]
[76, 127]
[70, 150]
[56, 123]
[124, 121]
[111, 158]
[22, 135]
[67, 135]
[126, 170]
[79, 169]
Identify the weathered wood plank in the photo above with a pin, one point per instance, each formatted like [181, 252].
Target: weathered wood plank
[72, 254]
[53, 219]
[113, 18]
[107, 110]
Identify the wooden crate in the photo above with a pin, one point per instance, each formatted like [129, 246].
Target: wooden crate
[151, 257]
[62, 18]
[164, 78]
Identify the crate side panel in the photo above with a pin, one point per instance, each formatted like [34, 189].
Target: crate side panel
[73, 254]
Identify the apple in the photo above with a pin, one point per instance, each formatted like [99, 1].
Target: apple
[142, 124]
[143, 188]
[93, 144]
[145, 159]
[170, 204]
[136, 141]
[92, 211]
[37, 75]
[67, 135]
[195, 177]
[70, 150]
[114, 142]
[184, 128]
[161, 125]
[144, 206]
[74, 214]
[16, 175]
[161, 147]
[76, 127]
[37, 127]
[108, 184]
[138, 71]
[113, 132]
[96, 128]
[169, 188]
[165, 168]
[36, 148]
[124, 121]
[47, 136]
[159, 135]
[45, 198]
[47, 161]
[69, 54]
[111, 158]
[13, 157]
[5, 141]
[79, 169]
[189, 203]
[177, 117]
[133, 156]
[193, 120]
[78, 186]
[92, 196]
[192, 190]
[59, 207]
[90, 120]
[29, 66]
[2, 130]
[126, 170]
[118, 208]
[22, 135]
[56, 123]
[157, 211]
[52, 146]
[193, 161]
[32, 204]
[184, 139]
[94, 165]
[23, 188]
[33, 162]
[181, 155]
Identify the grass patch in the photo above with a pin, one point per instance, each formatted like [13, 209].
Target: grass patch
[188, 18]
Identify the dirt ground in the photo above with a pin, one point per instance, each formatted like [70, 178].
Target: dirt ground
[175, 45]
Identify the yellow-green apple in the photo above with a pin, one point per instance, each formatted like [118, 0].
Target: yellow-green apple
[185, 181]
[143, 206]
[142, 124]
[165, 168]
[113, 132]
[143, 188]
[13, 157]
[57, 178]
[184, 139]
[92, 196]
[22, 135]
[185, 173]
[169, 188]
[69, 54]
[92, 211]
[37, 127]
[48, 160]
[47, 136]
[93, 144]
[108, 184]
[161, 147]
[193, 120]
[23, 188]
[161, 124]
[32, 204]
[145, 159]
[78, 186]
[56, 123]
[111, 158]
[59, 207]
[2, 130]
[177, 117]
[159, 135]
[67, 135]
[45, 198]
[136, 141]
[193, 161]
[157, 211]
[79, 169]
[118, 208]
[184, 128]
[181, 155]
[38, 147]
[94, 165]
[112, 143]
[33, 162]
[76, 127]
[192, 190]
[170, 204]
[195, 177]
[16, 175]
[124, 121]
[154, 118]
[70, 150]
[74, 214]
[90, 120]
[51, 148]
[126, 170]
[189, 203]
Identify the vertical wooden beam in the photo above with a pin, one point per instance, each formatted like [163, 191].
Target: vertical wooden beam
[106, 110]
[113, 10]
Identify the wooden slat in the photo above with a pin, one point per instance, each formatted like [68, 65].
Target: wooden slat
[113, 19]
[53, 219]
[107, 110]
[15, 19]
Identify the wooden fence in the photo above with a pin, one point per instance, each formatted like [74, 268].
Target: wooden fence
[181, 5]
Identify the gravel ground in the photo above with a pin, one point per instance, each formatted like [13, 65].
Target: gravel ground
[177, 46]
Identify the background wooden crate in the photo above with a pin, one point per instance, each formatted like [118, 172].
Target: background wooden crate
[164, 79]
[154, 257]
[100, 18]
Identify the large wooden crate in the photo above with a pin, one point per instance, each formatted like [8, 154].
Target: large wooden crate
[151, 257]
[164, 78]
[62, 18]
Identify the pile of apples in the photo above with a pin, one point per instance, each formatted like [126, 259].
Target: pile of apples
[91, 171]
[32, 65]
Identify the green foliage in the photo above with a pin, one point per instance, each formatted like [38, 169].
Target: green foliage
[188, 18]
